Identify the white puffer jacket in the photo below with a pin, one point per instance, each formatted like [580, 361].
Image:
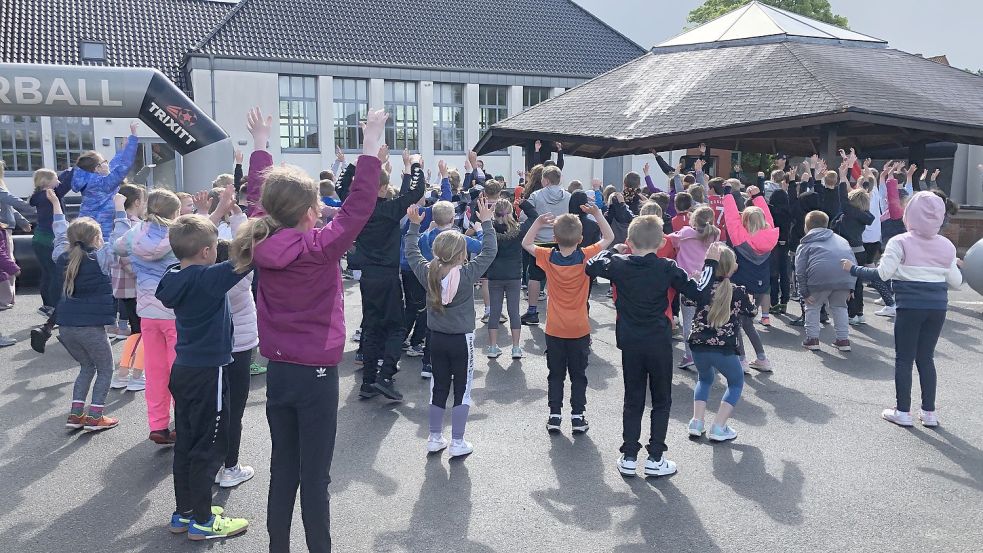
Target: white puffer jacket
[245, 334]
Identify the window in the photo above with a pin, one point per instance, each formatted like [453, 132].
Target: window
[298, 113]
[402, 128]
[351, 105]
[493, 105]
[20, 143]
[70, 137]
[532, 95]
[448, 117]
[92, 51]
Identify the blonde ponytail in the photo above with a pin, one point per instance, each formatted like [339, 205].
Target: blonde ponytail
[82, 233]
[723, 294]
[163, 207]
[449, 249]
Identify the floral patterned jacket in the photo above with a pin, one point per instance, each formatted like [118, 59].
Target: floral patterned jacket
[723, 339]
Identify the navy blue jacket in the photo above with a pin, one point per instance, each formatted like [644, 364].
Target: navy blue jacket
[92, 302]
[203, 320]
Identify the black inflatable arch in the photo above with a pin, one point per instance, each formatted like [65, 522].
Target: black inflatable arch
[146, 94]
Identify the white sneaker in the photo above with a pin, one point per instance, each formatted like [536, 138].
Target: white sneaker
[436, 443]
[517, 352]
[229, 478]
[493, 352]
[696, 427]
[136, 384]
[887, 311]
[721, 434]
[745, 366]
[928, 418]
[660, 467]
[120, 380]
[861, 320]
[460, 448]
[762, 365]
[879, 301]
[852, 321]
[899, 418]
[627, 466]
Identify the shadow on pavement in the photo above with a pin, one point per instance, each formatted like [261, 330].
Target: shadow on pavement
[742, 467]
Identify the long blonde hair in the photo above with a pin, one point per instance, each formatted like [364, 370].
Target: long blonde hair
[720, 304]
[288, 194]
[504, 215]
[702, 220]
[83, 233]
[753, 219]
[163, 207]
[449, 250]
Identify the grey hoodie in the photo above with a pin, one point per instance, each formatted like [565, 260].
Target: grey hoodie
[817, 262]
[551, 199]
[458, 316]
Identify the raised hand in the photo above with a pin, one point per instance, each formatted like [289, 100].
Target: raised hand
[752, 191]
[442, 168]
[698, 164]
[539, 144]
[924, 174]
[591, 208]
[821, 166]
[559, 146]
[53, 197]
[373, 132]
[201, 202]
[679, 167]
[406, 160]
[473, 158]
[259, 128]
[545, 219]
[414, 214]
[645, 169]
[339, 154]
[485, 211]
[703, 148]
[911, 170]
[119, 201]
[228, 198]
[238, 156]
[814, 161]
[383, 156]
[134, 125]
[867, 163]
[713, 252]
[935, 174]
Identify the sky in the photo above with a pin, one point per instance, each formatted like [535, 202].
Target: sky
[950, 27]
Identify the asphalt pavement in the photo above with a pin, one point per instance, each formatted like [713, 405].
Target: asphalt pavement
[814, 468]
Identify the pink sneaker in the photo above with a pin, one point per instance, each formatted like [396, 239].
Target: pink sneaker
[765, 320]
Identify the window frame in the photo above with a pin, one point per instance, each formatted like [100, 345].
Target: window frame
[98, 43]
[543, 93]
[442, 106]
[407, 124]
[310, 121]
[343, 102]
[63, 151]
[26, 125]
[485, 108]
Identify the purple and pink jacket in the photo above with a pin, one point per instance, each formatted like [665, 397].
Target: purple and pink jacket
[753, 251]
[308, 328]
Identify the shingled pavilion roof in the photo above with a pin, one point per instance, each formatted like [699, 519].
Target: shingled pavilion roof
[779, 90]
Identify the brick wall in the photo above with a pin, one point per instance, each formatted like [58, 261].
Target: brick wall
[965, 229]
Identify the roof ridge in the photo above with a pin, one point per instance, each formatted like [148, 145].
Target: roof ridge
[804, 20]
[843, 105]
[199, 47]
[746, 8]
[616, 31]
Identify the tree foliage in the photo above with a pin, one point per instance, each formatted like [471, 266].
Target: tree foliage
[816, 9]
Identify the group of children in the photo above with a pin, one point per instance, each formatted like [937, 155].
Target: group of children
[703, 251]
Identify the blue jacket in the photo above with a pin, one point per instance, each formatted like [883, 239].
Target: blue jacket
[92, 302]
[98, 190]
[197, 294]
[445, 195]
[427, 239]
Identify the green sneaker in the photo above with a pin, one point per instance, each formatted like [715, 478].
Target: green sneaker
[217, 527]
[256, 368]
[179, 524]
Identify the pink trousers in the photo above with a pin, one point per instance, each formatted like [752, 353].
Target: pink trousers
[159, 339]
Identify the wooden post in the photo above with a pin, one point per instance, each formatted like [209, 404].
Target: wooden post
[828, 145]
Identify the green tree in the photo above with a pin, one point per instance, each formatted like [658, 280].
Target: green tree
[816, 9]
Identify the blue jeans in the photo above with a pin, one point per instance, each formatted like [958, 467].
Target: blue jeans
[728, 364]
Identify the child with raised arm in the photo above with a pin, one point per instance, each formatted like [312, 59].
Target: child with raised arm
[923, 266]
[854, 217]
[820, 282]
[691, 244]
[567, 324]
[449, 279]
[753, 234]
[505, 274]
[86, 306]
[196, 290]
[98, 181]
[714, 340]
[303, 335]
[644, 335]
[43, 240]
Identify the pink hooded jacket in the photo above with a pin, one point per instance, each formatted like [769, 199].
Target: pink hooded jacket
[300, 300]
[763, 241]
[691, 250]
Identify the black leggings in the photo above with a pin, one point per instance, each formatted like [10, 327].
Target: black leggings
[128, 309]
[452, 357]
[916, 332]
[855, 305]
[302, 409]
[237, 379]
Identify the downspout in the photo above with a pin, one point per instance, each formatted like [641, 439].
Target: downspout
[211, 77]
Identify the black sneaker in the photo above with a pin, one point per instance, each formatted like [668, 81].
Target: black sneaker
[426, 371]
[387, 387]
[367, 391]
[579, 424]
[553, 423]
[531, 319]
[801, 321]
[39, 338]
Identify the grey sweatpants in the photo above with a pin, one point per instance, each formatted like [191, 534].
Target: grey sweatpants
[511, 290]
[89, 345]
[836, 299]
